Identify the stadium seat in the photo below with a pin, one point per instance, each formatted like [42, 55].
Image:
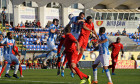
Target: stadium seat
[31, 39]
[45, 47]
[27, 46]
[27, 43]
[135, 40]
[31, 47]
[27, 39]
[23, 43]
[24, 36]
[130, 37]
[88, 49]
[34, 46]
[139, 43]
[35, 39]
[42, 46]
[38, 46]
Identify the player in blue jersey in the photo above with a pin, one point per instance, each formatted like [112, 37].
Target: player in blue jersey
[8, 55]
[103, 56]
[1, 53]
[77, 23]
[51, 41]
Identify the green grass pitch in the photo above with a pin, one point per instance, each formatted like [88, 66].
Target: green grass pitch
[43, 76]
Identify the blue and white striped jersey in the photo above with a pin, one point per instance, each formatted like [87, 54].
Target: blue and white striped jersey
[10, 43]
[103, 48]
[76, 27]
[52, 36]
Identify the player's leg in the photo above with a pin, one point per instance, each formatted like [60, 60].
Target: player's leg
[0, 67]
[114, 62]
[63, 65]
[20, 69]
[3, 68]
[94, 66]
[13, 57]
[105, 62]
[7, 57]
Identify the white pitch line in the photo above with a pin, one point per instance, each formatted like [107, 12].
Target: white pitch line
[37, 81]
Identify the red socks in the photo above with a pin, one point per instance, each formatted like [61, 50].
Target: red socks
[78, 72]
[20, 69]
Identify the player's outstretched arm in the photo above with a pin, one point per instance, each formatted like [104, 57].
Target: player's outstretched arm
[86, 28]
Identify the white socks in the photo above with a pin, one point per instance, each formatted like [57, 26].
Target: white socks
[95, 74]
[108, 75]
[16, 68]
[7, 68]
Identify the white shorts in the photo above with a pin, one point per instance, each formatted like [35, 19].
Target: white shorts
[1, 58]
[10, 58]
[76, 35]
[51, 45]
[104, 59]
[63, 58]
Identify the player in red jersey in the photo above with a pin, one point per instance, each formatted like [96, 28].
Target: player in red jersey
[72, 54]
[116, 47]
[88, 27]
[17, 53]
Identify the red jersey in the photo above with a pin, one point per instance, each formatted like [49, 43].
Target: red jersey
[116, 47]
[16, 49]
[70, 43]
[86, 33]
[61, 43]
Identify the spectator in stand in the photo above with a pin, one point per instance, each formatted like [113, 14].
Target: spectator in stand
[45, 41]
[138, 28]
[17, 28]
[30, 24]
[38, 42]
[34, 23]
[117, 34]
[3, 16]
[124, 32]
[38, 24]
[111, 34]
[135, 36]
[4, 33]
[26, 23]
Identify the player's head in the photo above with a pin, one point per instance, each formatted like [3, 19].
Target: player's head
[102, 30]
[67, 29]
[70, 16]
[118, 40]
[55, 22]
[89, 19]
[81, 15]
[9, 35]
[1, 37]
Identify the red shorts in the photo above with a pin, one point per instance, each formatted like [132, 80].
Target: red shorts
[72, 57]
[114, 58]
[82, 42]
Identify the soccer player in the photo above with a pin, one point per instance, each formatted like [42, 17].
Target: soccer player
[36, 63]
[1, 55]
[9, 57]
[88, 27]
[72, 54]
[77, 24]
[51, 41]
[103, 57]
[116, 47]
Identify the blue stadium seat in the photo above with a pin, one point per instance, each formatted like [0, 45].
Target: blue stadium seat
[16, 36]
[27, 46]
[35, 39]
[31, 39]
[45, 47]
[139, 43]
[42, 46]
[27, 39]
[34, 46]
[88, 49]
[37, 30]
[27, 43]
[24, 36]
[113, 34]
[10, 29]
[40, 29]
[135, 40]
[130, 37]
[138, 40]
[38, 46]
[23, 43]
[31, 47]
[42, 36]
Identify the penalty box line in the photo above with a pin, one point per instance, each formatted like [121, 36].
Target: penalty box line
[38, 81]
